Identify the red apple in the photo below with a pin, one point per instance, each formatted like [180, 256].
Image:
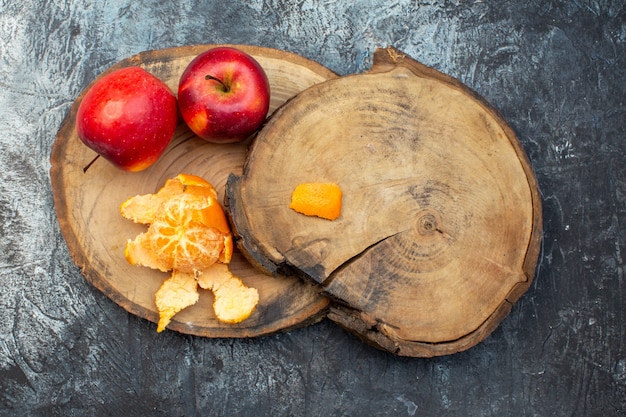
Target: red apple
[224, 95]
[128, 117]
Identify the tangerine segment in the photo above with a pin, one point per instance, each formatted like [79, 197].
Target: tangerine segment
[234, 301]
[180, 236]
[321, 199]
[176, 293]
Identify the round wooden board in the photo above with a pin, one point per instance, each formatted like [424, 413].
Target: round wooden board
[87, 205]
[441, 222]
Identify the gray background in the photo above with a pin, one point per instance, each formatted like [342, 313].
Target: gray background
[556, 71]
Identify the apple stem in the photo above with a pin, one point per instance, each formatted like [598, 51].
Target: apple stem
[90, 163]
[210, 77]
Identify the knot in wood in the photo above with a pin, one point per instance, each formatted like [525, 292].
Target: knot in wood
[428, 222]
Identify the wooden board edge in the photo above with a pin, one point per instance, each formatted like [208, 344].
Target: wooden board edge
[373, 334]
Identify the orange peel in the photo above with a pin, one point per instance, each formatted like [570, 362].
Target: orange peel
[321, 199]
[177, 292]
[234, 302]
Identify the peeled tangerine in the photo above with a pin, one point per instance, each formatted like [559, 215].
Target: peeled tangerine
[189, 235]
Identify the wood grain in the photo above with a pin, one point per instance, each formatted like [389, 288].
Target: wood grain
[441, 220]
[87, 205]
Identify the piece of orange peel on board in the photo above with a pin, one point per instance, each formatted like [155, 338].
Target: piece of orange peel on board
[321, 199]
[188, 234]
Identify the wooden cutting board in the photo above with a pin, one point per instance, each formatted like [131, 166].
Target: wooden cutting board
[87, 205]
[441, 223]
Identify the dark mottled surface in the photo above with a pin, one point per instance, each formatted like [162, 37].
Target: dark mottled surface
[555, 69]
